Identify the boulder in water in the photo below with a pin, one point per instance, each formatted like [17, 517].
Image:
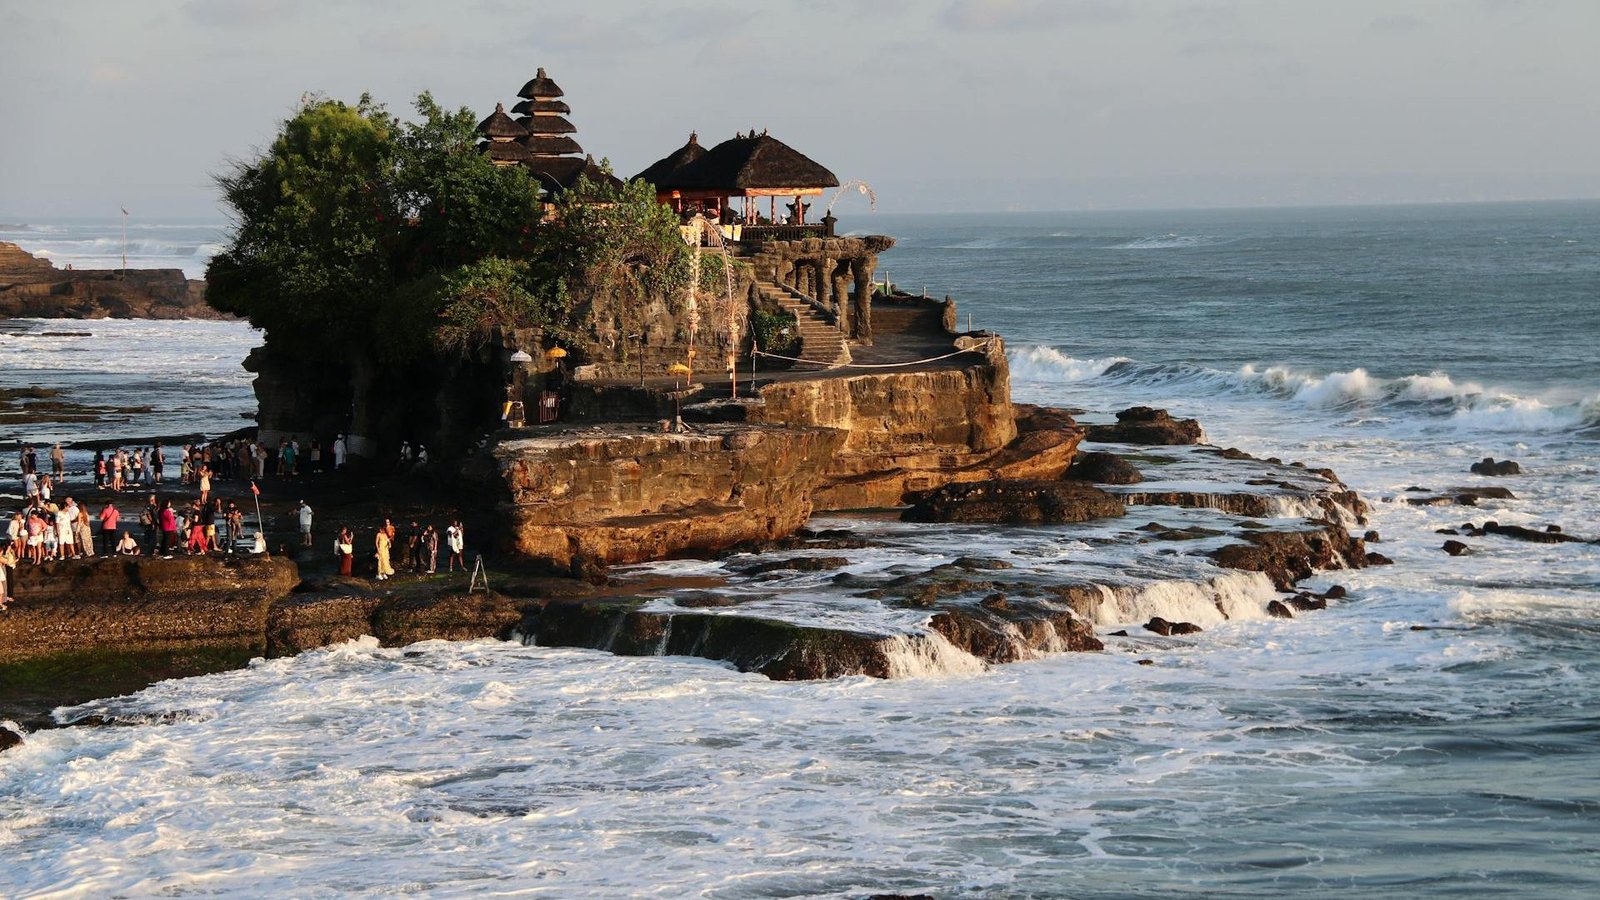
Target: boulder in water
[1278, 610]
[1103, 468]
[1489, 466]
[1456, 548]
[1147, 425]
[9, 739]
[1167, 629]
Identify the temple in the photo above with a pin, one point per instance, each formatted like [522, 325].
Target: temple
[540, 138]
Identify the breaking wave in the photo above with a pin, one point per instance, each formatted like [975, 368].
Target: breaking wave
[1435, 396]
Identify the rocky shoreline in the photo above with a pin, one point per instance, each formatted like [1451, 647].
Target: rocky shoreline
[33, 288]
[583, 513]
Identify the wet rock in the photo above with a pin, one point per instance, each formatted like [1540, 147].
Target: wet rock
[1167, 629]
[9, 739]
[1147, 425]
[1532, 535]
[976, 564]
[1449, 531]
[1145, 662]
[1461, 496]
[1456, 548]
[1372, 537]
[1307, 603]
[995, 602]
[1489, 466]
[1553, 529]
[1103, 468]
[798, 564]
[1336, 592]
[1013, 503]
[1289, 556]
[1378, 559]
[1278, 610]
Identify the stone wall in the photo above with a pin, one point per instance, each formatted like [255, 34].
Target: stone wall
[837, 272]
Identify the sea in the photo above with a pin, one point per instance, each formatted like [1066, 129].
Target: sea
[1436, 734]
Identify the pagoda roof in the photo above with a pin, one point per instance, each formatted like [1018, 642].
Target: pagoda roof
[504, 151]
[500, 125]
[540, 87]
[550, 145]
[558, 173]
[753, 162]
[667, 166]
[530, 107]
[547, 124]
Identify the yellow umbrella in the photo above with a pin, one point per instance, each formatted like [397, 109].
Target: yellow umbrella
[555, 353]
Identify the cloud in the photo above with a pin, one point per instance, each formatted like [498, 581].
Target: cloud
[410, 39]
[1239, 47]
[1395, 24]
[1020, 15]
[241, 13]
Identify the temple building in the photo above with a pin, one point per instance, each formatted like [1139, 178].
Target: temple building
[747, 168]
[540, 138]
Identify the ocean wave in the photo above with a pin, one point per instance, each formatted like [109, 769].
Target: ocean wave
[1434, 396]
[1169, 242]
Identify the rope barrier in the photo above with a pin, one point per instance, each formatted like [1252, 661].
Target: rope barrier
[915, 362]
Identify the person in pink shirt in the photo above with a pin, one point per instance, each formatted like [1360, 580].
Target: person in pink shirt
[109, 517]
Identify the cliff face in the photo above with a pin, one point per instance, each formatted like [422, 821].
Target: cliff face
[618, 496]
[33, 288]
[622, 494]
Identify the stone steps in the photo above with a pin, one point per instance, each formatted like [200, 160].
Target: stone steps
[821, 343]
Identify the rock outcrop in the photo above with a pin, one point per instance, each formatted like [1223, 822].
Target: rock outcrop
[1014, 503]
[31, 287]
[1146, 425]
[1501, 468]
[1100, 467]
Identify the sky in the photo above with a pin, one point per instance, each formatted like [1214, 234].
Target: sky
[940, 105]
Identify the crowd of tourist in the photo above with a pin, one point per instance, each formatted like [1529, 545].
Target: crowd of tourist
[52, 526]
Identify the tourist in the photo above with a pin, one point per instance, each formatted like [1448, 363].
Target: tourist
[169, 529]
[196, 522]
[109, 517]
[261, 460]
[456, 540]
[52, 535]
[430, 549]
[100, 469]
[422, 457]
[66, 517]
[235, 525]
[136, 467]
[30, 488]
[46, 487]
[8, 570]
[80, 533]
[58, 461]
[344, 547]
[127, 546]
[259, 547]
[36, 531]
[208, 520]
[304, 513]
[158, 459]
[185, 467]
[150, 525]
[205, 483]
[314, 458]
[17, 535]
[117, 462]
[382, 542]
[338, 453]
[412, 548]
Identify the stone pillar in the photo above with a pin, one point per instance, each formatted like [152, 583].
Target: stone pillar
[825, 282]
[839, 278]
[863, 267]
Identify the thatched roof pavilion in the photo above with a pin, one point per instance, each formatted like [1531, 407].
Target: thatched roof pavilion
[749, 166]
[665, 169]
[547, 123]
[550, 145]
[541, 138]
[557, 173]
[500, 134]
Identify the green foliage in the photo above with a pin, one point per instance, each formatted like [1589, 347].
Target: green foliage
[775, 332]
[348, 225]
[316, 216]
[496, 293]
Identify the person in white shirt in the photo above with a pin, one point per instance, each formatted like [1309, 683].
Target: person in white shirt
[305, 524]
[338, 452]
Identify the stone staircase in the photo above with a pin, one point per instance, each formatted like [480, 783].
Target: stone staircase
[821, 343]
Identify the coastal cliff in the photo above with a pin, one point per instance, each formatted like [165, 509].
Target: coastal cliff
[33, 288]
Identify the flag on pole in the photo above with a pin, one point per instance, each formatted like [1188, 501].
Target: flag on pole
[255, 490]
